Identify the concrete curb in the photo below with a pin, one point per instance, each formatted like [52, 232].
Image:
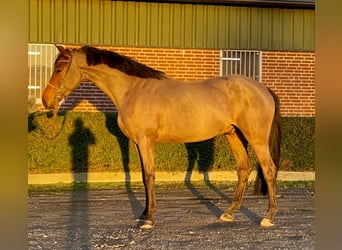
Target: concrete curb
[160, 177]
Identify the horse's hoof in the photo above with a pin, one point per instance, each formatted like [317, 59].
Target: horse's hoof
[227, 217]
[266, 222]
[148, 224]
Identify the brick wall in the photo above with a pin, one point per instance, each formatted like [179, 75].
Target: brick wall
[290, 74]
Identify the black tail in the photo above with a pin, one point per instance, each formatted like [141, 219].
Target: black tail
[260, 186]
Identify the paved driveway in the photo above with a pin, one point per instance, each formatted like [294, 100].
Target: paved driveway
[186, 218]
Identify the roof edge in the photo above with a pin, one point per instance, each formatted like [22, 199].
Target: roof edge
[295, 4]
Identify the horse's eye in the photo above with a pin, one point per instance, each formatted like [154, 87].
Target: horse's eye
[58, 70]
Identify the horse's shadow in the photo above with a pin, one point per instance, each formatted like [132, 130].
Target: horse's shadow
[202, 153]
[123, 141]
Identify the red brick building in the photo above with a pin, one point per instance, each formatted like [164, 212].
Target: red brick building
[187, 41]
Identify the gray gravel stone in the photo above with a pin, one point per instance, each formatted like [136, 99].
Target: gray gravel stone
[186, 219]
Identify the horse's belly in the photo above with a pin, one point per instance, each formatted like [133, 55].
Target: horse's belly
[191, 132]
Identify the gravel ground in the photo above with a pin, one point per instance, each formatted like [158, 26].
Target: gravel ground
[186, 218]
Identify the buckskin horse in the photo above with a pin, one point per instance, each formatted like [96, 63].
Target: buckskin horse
[153, 107]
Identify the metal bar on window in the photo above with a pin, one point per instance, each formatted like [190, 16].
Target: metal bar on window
[243, 62]
[40, 63]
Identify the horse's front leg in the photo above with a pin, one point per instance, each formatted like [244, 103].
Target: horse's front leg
[145, 147]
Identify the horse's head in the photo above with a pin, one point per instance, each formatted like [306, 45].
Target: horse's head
[63, 79]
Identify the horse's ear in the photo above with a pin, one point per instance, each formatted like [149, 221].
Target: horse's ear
[63, 51]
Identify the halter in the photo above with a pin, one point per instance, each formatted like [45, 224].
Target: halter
[59, 96]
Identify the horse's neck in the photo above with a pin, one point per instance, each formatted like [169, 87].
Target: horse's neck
[113, 83]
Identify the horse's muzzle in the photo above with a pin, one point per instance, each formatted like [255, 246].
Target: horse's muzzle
[48, 105]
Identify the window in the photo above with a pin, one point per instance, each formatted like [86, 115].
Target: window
[243, 62]
[41, 58]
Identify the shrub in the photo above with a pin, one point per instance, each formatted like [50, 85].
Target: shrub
[298, 144]
[79, 141]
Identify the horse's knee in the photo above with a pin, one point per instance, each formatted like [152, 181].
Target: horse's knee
[149, 177]
[243, 174]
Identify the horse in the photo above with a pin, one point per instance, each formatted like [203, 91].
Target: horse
[153, 107]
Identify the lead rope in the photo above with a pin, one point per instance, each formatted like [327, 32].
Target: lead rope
[51, 124]
[53, 121]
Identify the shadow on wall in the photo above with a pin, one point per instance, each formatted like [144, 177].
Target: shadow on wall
[80, 140]
[201, 153]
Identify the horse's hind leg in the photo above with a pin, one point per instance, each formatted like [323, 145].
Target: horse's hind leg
[238, 145]
[269, 170]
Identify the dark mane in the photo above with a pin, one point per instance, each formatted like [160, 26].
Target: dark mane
[120, 62]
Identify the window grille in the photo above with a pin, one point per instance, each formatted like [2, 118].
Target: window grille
[242, 62]
[40, 62]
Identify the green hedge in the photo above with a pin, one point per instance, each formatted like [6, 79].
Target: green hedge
[93, 142]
